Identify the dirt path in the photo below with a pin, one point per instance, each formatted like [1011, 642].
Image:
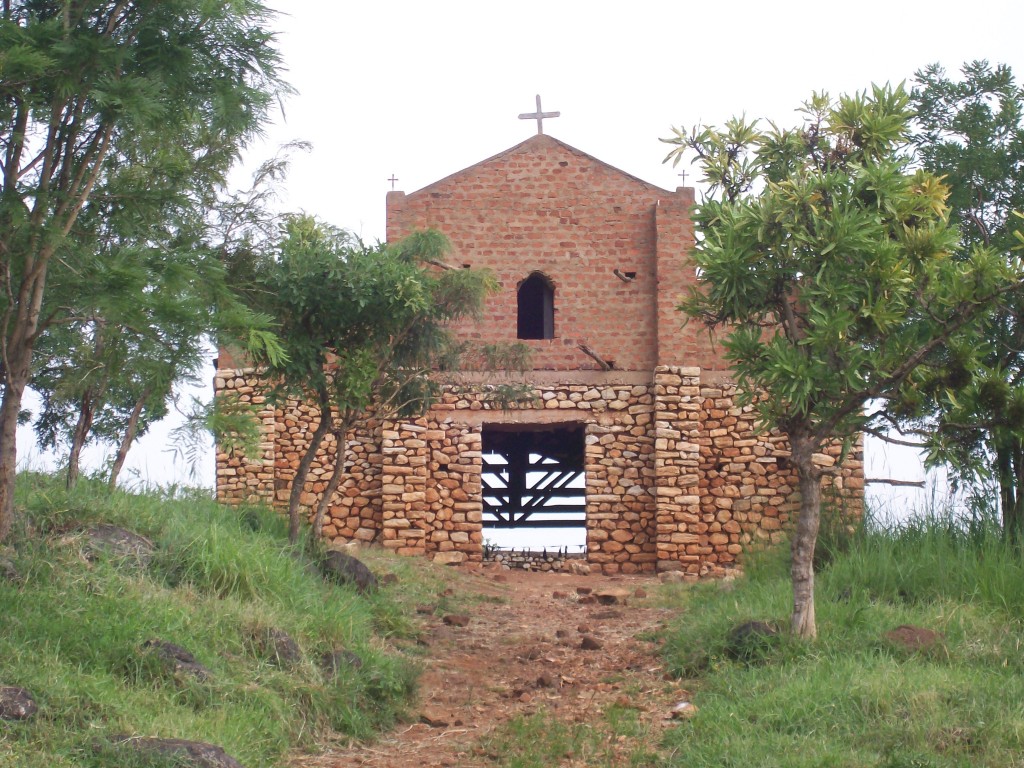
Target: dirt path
[549, 643]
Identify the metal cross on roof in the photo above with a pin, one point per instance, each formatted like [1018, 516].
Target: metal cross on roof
[539, 116]
[393, 180]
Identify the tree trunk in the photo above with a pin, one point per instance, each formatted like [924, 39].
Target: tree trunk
[1014, 521]
[1008, 502]
[78, 437]
[129, 437]
[9, 409]
[17, 373]
[805, 537]
[299, 482]
[341, 446]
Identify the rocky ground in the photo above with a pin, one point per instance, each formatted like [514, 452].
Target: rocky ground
[518, 643]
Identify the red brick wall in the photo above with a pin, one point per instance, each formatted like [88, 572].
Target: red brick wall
[544, 206]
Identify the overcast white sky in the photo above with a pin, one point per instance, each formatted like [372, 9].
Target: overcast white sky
[423, 89]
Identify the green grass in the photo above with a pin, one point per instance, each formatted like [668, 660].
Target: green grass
[72, 629]
[614, 739]
[851, 698]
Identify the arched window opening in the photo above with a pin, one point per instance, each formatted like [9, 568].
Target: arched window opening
[536, 305]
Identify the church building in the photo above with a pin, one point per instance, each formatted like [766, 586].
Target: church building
[633, 434]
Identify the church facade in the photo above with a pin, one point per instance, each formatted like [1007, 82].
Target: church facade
[633, 431]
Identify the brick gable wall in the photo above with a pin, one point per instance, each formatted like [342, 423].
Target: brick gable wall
[543, 206]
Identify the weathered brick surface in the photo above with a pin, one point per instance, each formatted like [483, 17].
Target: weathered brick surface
[545, 206]
[677, 477]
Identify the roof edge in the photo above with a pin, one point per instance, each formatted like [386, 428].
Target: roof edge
[541, 137]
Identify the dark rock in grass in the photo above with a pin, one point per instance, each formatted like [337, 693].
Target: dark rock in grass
[118, 542]
[750, 640]
[913, 638]
[348, 570]
[277, 647]
[8, 572]
[194, 754]
[456, 620]
[333, 662]
[177, 659]
[16, 703]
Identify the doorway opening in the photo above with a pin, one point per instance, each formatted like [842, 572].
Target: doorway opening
[534, 487]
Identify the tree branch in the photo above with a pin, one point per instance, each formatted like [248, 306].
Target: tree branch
[890, 481]
[892, 440]
[605, 365]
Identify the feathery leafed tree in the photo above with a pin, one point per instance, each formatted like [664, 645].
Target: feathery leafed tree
[125, 107]
[363, 327]
[147, 312]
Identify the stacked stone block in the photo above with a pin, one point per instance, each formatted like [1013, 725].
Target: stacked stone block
[241, 478]
[678, 477]
[431, 493]
[682, 537]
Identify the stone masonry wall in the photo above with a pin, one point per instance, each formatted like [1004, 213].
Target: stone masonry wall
[677, 477]
[240, 478]
[536, 560]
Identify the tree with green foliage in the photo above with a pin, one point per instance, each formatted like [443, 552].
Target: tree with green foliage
[830, 267]
[144, 317]
[130, 108]
[363, 328]
[110, 373]
[970, 133]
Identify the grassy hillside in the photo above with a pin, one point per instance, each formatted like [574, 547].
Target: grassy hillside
[855, 697]
[220, 583]
[74, 624]
[852, 699]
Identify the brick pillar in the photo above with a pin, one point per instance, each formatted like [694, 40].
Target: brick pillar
[468, 514]
[677, 345]
[243, 478]
[453, 493]
[397, 482]
[396, 227]
[681, 541]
